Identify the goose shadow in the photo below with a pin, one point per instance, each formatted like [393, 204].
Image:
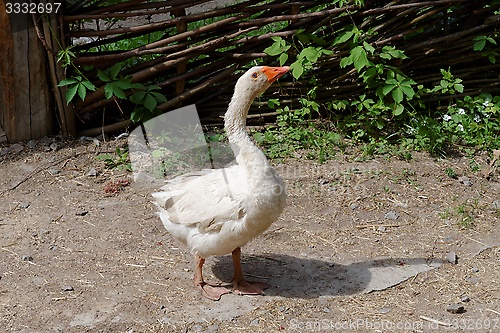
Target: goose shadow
[295, 277]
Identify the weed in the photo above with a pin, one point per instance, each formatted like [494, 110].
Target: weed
[120, 162]
[463, 213]
[451, 173]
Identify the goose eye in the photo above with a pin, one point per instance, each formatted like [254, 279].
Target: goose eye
[255, 75]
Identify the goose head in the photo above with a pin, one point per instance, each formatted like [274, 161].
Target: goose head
[257, 79]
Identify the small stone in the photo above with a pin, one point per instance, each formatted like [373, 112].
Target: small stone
[400, 204]
[475, 269]
[323, 181]
[81, 213]
[27, 258]
[54, 146]
[24, 205]
[67, 288]
[16, 148]
[354, 205]
[54, 171]
[391, 215]
[452, 258]
[465, 180]
[53, 247]
[465, 299]
[326, 310]
[45, 141]
[473, 280]
[91, 173]
[255, 322]
[282, 308]
[455, 308]
[31, 144]
[381, 228]
[384, 310]
[495, 205]
[448, 239]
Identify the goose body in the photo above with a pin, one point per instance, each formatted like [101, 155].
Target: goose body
[217, 211]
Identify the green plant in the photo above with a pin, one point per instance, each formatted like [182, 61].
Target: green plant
[464, 213]
[307, 55]
[450, 173]
[76, 84]
[448, 84]
[474, 121]
[119, 161]
[115, 83]
[483, 43]
[146, 98]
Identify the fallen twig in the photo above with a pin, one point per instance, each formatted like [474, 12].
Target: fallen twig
[435, 321]
[363, 226]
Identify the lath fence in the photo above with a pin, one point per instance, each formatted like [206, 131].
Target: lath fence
[194, 51]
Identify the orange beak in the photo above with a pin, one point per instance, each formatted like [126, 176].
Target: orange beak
[274, 73]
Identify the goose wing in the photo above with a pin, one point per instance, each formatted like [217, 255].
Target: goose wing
[205, 199]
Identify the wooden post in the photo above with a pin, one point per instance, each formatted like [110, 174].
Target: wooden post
[181, 67]
[25, 110]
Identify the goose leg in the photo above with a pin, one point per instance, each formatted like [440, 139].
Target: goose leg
[208, 291]
[240, 286]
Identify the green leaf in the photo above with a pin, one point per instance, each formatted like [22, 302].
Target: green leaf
[70, 94]
[82, 92]
[283, 58]
[459, 87]
[398, 110]
[89, 85]
[149, 102]
[368, 47]
[114, 70]
[273, 50]
[409, 92]
[124, 83]
[344, 37]
[108, 90]
[479, 45]
[119, 92]
[136, 115]
[397, 94]
[103, 76]
[345, 62]
[137, 97]
[303, 38]
[385, 56]
[159, 97]
[387, 89]
[311, 54]
[297, 69]
[273, 103]
[140, 86]
[157, 153]
[359, 57]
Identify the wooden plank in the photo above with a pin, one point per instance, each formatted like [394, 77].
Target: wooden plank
[24, 99]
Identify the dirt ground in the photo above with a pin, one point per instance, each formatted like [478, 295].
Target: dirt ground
[361, 246]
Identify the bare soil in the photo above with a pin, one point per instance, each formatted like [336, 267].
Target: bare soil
[85, 252]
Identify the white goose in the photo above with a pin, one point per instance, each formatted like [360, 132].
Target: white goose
[216, 212]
